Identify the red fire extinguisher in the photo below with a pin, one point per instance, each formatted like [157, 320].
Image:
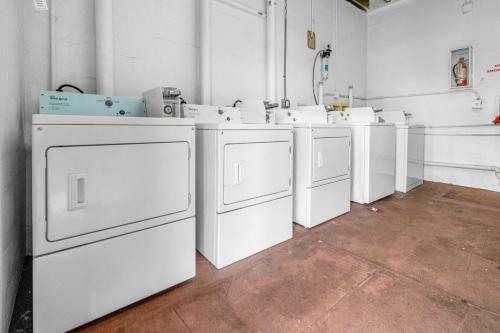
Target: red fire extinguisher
[460, 71]
[496, 121]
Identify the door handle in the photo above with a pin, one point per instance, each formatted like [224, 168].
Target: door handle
[237, 175]
[77, 191]
[320, 160]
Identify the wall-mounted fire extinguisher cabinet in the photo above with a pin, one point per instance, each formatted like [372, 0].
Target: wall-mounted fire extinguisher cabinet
[461, 65]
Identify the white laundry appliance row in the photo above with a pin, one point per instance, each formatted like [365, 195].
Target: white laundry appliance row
[255, 180]
[116, 217]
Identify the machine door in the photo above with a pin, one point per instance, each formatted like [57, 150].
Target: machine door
[416, 143]
[331, 158]
[92, 188]
[255, 170]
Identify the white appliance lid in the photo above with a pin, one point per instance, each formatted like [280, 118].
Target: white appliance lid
[228, 126]
[48, 119]
[307, 125]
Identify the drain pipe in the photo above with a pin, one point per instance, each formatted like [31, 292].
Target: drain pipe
[206, 51]
[271, 50]
[350, 96]
[285, 102]
[104, 46]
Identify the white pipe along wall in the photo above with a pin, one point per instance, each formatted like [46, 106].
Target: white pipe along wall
[271, 51]
[104, 47]
[206, 51]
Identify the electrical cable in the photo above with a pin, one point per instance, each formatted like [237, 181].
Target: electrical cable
[69, 86]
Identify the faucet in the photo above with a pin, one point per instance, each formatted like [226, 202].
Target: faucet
[407, 117]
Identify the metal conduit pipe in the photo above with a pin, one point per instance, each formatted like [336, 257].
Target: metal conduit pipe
[285, 102]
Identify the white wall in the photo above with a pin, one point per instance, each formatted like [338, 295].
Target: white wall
[238, 53]
[408, 53]
[348, 61]
[156, 42]
[11, 158]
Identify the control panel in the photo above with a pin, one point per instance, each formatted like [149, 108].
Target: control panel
[212, 114]
[66, 103]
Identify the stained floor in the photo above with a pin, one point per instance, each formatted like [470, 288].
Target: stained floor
[427, 261]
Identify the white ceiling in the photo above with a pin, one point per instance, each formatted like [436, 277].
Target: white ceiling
[376, 4]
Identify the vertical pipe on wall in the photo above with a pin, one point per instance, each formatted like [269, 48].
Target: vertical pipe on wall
[206, 51]
[53, 68]
[350, 96]
[271, 50]
[104, 46]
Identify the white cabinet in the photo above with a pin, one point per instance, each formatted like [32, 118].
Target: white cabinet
[244, 189]
[373, 161]
[410, 157]
[321, 173]
[381, 162]
[113, 214]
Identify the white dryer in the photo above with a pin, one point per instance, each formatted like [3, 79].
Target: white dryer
[410, 150]
[373, 168]
[322, 160]
[113, 214]
[244, 187]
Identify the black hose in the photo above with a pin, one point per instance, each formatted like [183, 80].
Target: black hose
[236, 102]
[69, 86]
[314, 69]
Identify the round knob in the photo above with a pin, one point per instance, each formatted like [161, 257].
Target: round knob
[168, 109]
[109, 103]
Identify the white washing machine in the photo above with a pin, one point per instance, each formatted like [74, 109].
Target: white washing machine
[322, 160]
[113, 214]
[373, 166]
[410, 150]
[244, 187]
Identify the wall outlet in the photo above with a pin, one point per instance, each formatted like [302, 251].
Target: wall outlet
[477, 104]
[40, 5]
